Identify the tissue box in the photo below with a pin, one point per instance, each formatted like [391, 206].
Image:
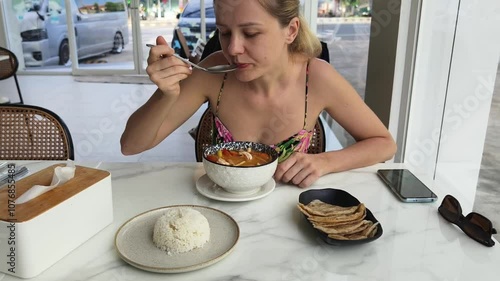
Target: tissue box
[38, 233]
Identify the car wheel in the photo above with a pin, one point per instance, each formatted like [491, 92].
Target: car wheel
[64, 52]
[118, 44]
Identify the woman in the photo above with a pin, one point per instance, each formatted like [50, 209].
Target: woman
[274, 97]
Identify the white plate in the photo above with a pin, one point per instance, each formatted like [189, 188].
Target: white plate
[211, 190]
[134, 242]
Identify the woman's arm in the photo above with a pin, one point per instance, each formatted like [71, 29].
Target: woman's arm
[177, 98]
[374, 143]
[334, 94]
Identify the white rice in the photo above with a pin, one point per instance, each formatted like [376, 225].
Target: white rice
[181, 230]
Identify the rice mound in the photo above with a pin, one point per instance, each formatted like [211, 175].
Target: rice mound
[181, 230]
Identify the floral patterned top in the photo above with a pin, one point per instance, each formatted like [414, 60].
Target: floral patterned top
[299, 142]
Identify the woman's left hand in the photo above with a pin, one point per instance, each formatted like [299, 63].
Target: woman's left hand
[301, 169]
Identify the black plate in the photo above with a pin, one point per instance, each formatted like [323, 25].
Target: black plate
[340, 198]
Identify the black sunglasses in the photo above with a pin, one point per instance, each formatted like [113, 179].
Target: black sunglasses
[475, 225]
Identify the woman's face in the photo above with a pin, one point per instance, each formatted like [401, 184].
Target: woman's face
[250, 37]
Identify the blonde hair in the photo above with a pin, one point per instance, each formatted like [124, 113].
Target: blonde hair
[284, 11]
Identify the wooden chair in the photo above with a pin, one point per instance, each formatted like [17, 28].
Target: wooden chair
[212, 45]
[192, 56]
[8, 68]
[204, 135]
[33, 133]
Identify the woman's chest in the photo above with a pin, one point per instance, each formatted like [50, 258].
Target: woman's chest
[261, 119]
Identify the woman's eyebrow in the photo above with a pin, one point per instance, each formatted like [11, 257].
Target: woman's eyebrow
[246, 24]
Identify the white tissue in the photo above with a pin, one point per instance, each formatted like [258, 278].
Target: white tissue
[61, 175]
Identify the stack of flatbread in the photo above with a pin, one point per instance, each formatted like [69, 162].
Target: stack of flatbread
[341, 223]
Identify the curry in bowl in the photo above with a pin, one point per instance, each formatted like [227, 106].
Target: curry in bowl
[244, 158]
[240, 154]
[239, 166]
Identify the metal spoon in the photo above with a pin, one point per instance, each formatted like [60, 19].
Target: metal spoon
[18, 173]
[212, 69]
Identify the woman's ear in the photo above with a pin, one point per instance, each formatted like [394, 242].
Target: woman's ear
[292, 30]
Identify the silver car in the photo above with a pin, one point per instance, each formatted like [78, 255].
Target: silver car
[101, 26]
[189, 24]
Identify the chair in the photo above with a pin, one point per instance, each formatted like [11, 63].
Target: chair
[8, 68]
[212, 45]
[204, 135]
[194, 56]
[198, 50]
[33, 133]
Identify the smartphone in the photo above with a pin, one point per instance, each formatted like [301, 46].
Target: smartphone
[406, 186]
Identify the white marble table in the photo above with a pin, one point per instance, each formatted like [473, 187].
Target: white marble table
[276, 243]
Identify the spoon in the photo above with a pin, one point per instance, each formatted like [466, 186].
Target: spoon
[212, 69]
[12, 176]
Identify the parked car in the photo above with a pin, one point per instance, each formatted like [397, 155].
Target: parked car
[101, 26]
[364, 11]
[189, 24]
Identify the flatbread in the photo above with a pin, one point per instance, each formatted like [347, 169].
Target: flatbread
[370, 231]
[358, 214]
[347, 237]
[341, 223]
[319, 208]
[346, 228]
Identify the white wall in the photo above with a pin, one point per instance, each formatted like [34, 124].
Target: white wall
[453, 86]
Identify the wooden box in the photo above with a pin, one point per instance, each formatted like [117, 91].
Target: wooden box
[36, 234]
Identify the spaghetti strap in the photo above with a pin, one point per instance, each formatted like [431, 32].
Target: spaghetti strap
[307, 90]
[220, 95]
[300, 142]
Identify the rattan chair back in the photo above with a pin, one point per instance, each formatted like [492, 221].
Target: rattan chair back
[204, 135]
[8, 68]
[194, 56]
[33, 133]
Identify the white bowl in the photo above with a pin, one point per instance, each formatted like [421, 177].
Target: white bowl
[238, 179]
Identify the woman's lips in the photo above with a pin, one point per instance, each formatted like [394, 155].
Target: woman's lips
[242, 65]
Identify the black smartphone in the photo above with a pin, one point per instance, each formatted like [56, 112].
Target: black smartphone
[406, 186]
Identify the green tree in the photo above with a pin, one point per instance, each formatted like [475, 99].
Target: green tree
[349, 5]
[114, 7]
[350, 2]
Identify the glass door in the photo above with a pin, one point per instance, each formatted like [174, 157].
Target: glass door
[344, 26]
[103, 36]
[107, 36]
[487, 188]
[157, 18]
[75, 36]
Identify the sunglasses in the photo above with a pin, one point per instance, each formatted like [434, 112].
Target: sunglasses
[475, 225]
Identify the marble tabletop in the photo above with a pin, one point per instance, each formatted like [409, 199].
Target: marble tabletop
[276, 242]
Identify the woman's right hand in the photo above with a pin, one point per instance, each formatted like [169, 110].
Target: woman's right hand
[165, 70]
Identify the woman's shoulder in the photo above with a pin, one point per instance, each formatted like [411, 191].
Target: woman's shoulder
[319, 66]
[325, 80]
[322, 72]
[211, 82]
